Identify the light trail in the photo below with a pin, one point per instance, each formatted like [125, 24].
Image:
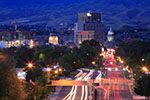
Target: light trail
[69, 93]
[109, 87]
[73, 87]
[73, 92]
[84, 95]
[86, 92]
[99, 76]
[114, 86]
[80, 73]
[118, 88]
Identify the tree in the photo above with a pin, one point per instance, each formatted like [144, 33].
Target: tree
[39, 90]
[70, 61]
[33, 74]
[142, 86]
[52, 55]
[89, 51]
[147, 59]
[23, 55]
[10, 87]
[92, 43]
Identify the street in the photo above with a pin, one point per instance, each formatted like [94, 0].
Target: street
[113, 86]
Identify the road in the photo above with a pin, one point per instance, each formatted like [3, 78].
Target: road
[77, 92]
[115, 90]
[113, 87]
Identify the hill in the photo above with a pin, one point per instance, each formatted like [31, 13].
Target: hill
[115, 13]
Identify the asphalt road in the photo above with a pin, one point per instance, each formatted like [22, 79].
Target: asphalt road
[115, 86]
[76, 92]
[115, 90]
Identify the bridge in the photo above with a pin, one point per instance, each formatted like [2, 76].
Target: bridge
[81, 83]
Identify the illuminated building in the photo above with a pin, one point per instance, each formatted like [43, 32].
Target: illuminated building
[31, 44]
[84, 35]
[110, 35]
[14, 39]
[53, 39]
[89, 26]
[110, 43]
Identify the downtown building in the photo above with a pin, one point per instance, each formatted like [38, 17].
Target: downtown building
[89, 26]
[10, 39]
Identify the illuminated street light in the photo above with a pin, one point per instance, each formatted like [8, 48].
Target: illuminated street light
[30, 65]
[56, 71]
[59, 69]
[48, 69]
[127, 68]
[93, 62]
[122, 61]
[101, 54]
[144, 69]
[142, 59]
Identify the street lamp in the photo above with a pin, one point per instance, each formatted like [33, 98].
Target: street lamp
[30, 65]
[59, 69]
[56, 71]
[93, 62]
[48, 69]
[143, 59]
[145, 69]
[48, 74]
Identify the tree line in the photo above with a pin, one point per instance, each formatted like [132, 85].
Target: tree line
[136, 55]
[35, 85]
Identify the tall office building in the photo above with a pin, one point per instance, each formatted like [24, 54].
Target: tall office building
[89, 26]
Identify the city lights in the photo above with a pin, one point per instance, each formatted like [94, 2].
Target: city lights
[111, 63]
[59, 69]
[93, 62]
[120, 60]
[56, 71]
[116, 69]
[124, 69]
[109, 69]
[30, 65]
[48, 69]
[145, 69]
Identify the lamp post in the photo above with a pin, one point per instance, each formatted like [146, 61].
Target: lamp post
[145, 69]
[48, 74]
[93, 62]
[30, 65]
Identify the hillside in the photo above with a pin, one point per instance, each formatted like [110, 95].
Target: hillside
[115, 13]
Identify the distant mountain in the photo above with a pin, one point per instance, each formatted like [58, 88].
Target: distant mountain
[115, 13]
